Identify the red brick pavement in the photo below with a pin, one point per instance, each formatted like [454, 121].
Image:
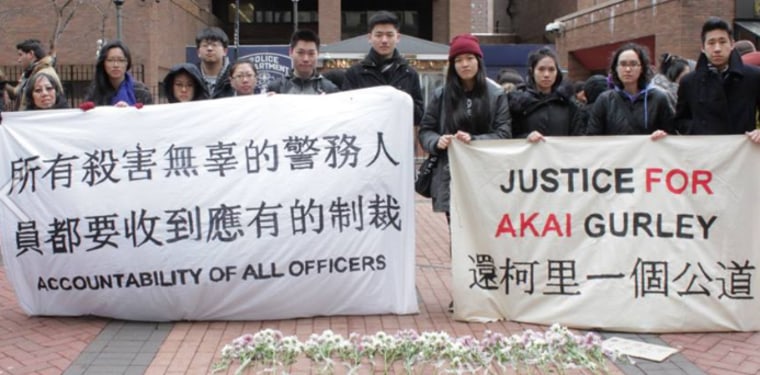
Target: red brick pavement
[192, 347]
[40, 345]
[33, 345]
[720, 353]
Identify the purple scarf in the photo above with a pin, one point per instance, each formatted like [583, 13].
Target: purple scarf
[126, 91]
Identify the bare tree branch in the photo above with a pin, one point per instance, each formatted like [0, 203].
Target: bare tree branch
[104, 12]
[63, 15]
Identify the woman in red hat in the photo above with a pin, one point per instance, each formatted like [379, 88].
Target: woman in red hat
[465, 109]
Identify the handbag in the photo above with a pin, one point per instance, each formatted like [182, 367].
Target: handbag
[424, 180]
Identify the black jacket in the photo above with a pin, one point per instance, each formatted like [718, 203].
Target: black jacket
[223, 87]
[369, 73]
[709, 104]
[431, 130]
[200, 92]
[550, 114]
[316, 84]
[615, 113]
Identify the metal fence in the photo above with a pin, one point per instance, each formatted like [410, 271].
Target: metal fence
[76, 79]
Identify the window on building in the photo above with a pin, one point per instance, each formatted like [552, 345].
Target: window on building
[266, 14]
[355, 22]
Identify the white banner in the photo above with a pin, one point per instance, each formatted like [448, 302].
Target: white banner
[244, 208]
[618, 233]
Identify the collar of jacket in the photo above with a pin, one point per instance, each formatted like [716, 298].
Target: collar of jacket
[642, 94]
[525, 99]
[735, 64]
[38, 65]
[371, 59]
[559, 92]
[314, 77]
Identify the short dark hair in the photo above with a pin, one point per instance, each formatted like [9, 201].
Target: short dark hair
[646, 65]
[578, 86]
[383, 17]
[744, 46]
[32, 45]
[671, 66]
[213, 34]
[594, 86]
[305, 35]
[509, 75]
[715, 23]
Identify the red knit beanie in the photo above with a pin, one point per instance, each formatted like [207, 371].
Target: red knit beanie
[465, 43]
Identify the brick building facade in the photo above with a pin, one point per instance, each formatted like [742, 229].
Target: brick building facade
[157, 32]
[528, 18]
[586, 38]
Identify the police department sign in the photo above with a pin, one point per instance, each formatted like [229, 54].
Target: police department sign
[269, 66]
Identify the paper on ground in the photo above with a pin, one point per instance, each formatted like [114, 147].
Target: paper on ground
[638, 349]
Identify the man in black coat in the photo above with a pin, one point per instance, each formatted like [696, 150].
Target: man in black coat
[384, 65]
[722, 94]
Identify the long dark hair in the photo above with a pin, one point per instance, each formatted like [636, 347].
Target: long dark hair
[60, 98]
[454, 99]
[533, 60]
[100, 89]
[646, 68]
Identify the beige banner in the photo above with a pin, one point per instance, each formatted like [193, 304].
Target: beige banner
[617, 233]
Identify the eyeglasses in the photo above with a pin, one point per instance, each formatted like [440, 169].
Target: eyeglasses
[244, 76]
[628, 64]
[211, 44]
[117, 61]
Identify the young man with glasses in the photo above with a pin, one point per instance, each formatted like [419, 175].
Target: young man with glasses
[303, 77]
[211, 44]
[721, 95]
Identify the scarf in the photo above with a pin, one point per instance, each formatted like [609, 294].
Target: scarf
[125, 92]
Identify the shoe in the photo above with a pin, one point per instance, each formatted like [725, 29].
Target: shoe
[451, 307]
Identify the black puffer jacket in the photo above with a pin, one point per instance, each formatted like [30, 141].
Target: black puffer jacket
[316, 84]
[200, 91]
[615, 112]
[431, 130]
[370, 72]
[553, 114]
[709, 104]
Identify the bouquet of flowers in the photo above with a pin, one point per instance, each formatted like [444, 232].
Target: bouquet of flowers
[556, 350]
